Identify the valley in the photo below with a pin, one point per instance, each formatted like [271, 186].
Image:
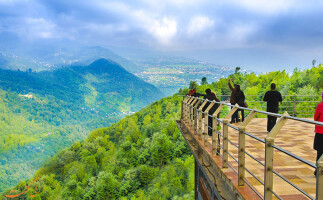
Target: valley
[44, 112]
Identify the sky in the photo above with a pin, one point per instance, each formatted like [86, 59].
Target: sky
[261, 35]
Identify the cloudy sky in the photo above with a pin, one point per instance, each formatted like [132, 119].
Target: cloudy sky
[255, 34]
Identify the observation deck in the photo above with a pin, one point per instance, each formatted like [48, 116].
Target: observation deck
[243, 161]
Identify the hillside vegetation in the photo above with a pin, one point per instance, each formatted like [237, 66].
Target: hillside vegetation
[41, 113]
[143, 156]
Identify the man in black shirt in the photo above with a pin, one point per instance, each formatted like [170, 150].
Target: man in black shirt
[272, 97]
[211, 97]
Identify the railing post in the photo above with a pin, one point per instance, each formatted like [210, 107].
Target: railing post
[242, 147]
[196, 115]
[225, 143]
[242, 156]
[206, 126]
[206, 122]
[215, 134]
[226, 135]
[200, 120]
[185, 108]
[188, 110]
[319, 178]
[269, 154]
[269, 164]
[191, 121]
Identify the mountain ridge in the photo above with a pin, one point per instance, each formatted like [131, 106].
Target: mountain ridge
[42, 57]
[50, 110]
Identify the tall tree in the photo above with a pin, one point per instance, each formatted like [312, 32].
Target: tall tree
[204, 81]
[193, 84]
[237, 70]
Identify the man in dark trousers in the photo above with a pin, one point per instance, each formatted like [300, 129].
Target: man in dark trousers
[211, 97]
[272, 97]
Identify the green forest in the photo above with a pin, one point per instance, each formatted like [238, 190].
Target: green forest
[43, 112]
[143, 156]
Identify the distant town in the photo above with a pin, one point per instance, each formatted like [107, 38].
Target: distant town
[170, 78]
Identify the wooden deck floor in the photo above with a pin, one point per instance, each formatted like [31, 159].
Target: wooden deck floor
[295, 137]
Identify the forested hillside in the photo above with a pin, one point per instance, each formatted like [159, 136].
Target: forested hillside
[43, 112]
[142, 156]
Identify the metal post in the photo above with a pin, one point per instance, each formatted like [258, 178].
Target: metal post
[200, 125]
[242, 157]
[319, 178]
[192, 112]
[200, 120]
[242, 147]
[196, 115]
[188, 110]
[185, 108]
[206, 123]
[189, 114]
[269, 154]
[206, 127]
[269, 163]
[225, 143]
[215, 134]
[226, 135]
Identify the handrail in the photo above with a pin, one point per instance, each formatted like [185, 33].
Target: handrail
[268, 113]
[196, 114]
[294, 104]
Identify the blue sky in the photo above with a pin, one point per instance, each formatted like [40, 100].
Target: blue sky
[261, 35]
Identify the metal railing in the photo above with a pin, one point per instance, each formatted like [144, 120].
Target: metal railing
[192, 113]
[295, 105]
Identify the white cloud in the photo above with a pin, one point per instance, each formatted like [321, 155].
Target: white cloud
[163, 30]
[38, 28]
[198, 24]
[263, 6]
[239, 33]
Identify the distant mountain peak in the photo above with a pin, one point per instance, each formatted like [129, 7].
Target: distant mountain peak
[105, 65]
[103, 61]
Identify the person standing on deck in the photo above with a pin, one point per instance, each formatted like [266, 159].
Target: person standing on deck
[239, 99]
[318, 140]
[211, 97]
[232, 99]
[272, 98]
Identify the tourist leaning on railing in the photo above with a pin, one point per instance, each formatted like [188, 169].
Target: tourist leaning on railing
[318, 140]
